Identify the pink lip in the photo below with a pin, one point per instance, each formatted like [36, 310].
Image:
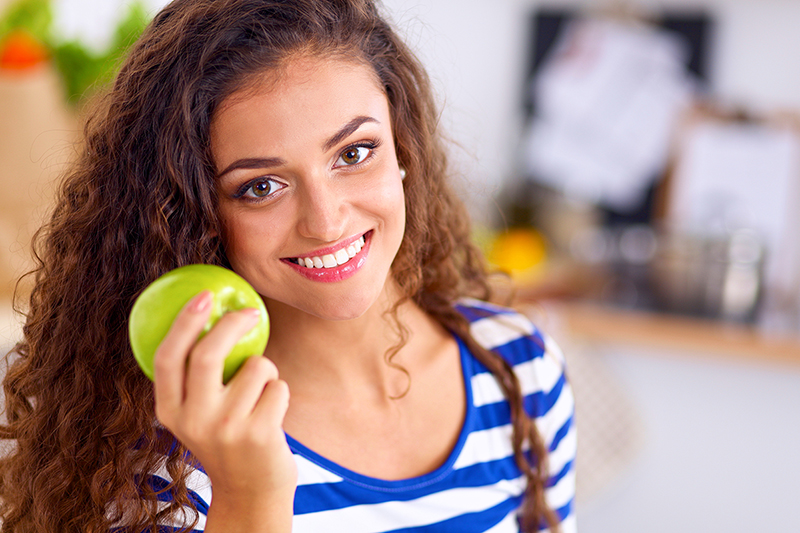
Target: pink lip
[332, 249]
[338, 273]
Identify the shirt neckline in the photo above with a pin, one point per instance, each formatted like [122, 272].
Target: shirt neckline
[412, 483]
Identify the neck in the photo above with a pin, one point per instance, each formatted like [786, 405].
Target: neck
[315, 355]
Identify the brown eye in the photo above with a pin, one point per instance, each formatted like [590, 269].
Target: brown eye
[353, 155]
[260, 188]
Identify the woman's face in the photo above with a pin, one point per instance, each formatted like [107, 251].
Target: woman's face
[311, 198]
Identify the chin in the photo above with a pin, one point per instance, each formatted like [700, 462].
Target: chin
[343, 310]
[332, 308]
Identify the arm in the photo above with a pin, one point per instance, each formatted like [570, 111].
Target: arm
[234, 430]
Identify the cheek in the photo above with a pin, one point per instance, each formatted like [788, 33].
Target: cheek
[244, 235]
[235, 249]
[388, 198]
[389, 206]
[399, 203]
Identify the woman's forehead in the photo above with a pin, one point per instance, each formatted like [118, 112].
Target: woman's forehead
[311, 101]
[298, 68]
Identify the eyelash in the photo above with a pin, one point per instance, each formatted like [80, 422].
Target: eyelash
[242, 191]
[371, 145]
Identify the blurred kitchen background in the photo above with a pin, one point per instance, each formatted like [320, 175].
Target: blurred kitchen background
[634, 166]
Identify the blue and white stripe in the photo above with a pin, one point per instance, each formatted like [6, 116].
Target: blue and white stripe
[479, 488]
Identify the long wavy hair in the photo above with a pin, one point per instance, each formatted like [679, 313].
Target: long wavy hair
[140, 200]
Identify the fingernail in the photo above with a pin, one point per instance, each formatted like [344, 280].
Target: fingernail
[252, 312]
[201, 302]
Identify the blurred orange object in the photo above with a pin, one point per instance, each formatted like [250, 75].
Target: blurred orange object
[20, 51]
[519, 251]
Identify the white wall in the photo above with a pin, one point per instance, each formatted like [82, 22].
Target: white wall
[475, 52]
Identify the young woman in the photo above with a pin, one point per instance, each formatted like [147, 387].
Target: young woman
[295, 142]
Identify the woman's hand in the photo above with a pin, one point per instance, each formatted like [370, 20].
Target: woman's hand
[234, 430]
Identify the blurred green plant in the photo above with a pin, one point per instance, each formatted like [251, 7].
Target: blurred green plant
[34, 16]
[82, 70]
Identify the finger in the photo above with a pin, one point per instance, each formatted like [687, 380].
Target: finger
[247, 385]
[206, 362]
[271, 408]
[169, 364]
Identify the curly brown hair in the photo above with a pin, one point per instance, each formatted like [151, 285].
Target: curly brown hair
[140, 200]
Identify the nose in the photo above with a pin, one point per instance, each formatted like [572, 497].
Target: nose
[323, 211]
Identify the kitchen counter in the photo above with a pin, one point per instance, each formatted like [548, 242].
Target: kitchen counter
[681, 334]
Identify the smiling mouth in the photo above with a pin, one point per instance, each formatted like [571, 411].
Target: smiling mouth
[338, 258]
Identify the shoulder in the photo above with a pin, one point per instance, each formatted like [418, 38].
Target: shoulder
[533, 356]
[508, 332]
[540, 368]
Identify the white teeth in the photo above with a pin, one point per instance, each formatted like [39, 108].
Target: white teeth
[337, 258]
[341, 256]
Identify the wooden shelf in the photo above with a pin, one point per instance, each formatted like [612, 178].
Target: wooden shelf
[596, 322]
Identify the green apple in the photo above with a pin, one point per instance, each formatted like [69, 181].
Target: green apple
[155, 310]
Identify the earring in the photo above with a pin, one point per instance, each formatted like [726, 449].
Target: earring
[402, 173]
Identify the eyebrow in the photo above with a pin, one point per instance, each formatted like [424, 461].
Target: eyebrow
[253, 162]
[267, 162]
[347, 130]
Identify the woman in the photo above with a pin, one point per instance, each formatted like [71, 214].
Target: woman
[296, 143]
